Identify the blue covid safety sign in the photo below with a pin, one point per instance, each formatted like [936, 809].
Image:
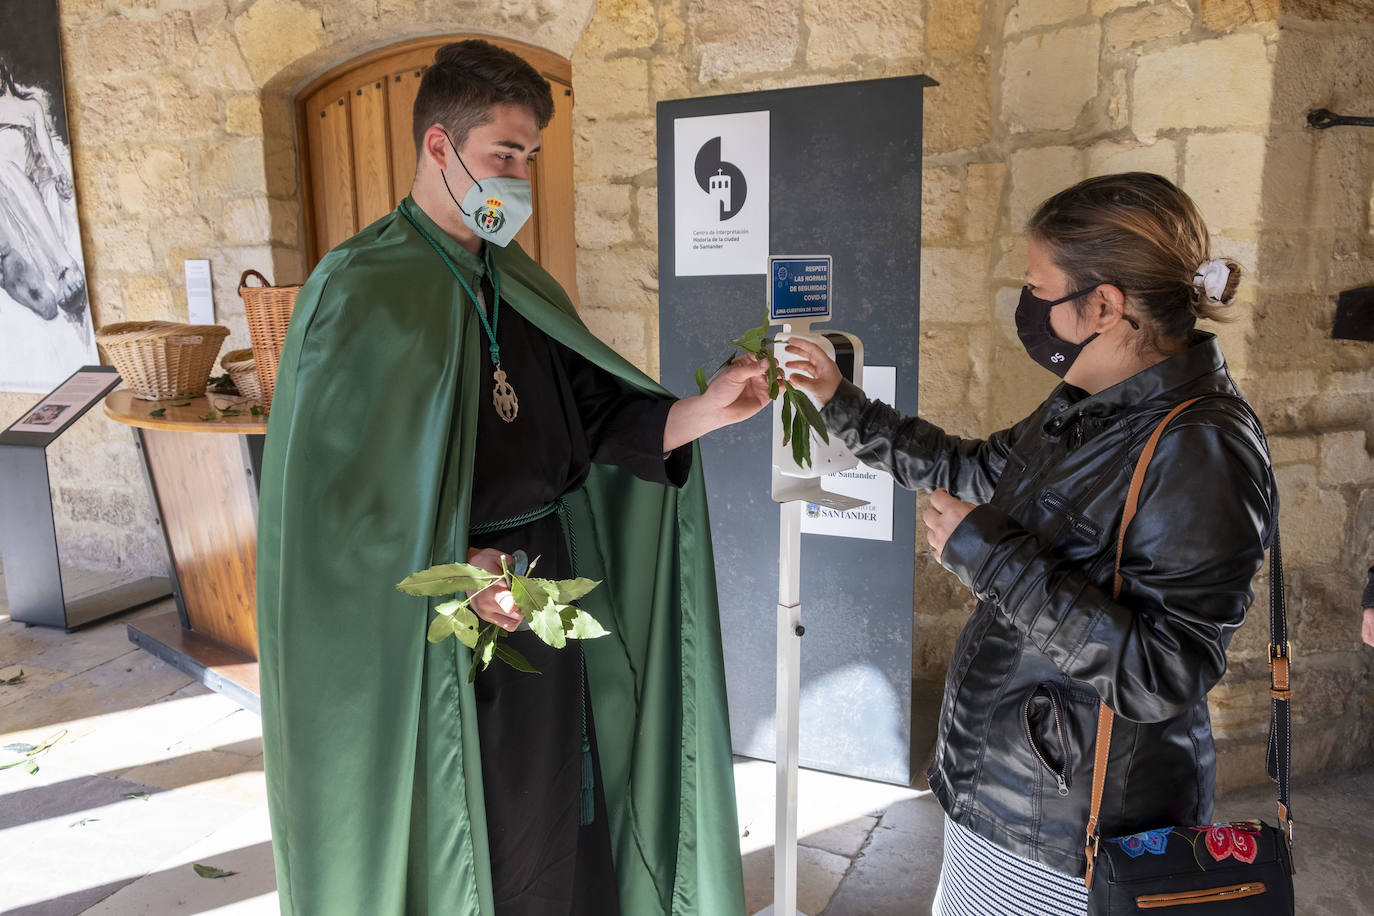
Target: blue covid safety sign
[799, 286]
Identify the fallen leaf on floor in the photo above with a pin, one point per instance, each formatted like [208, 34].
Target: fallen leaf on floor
[143, 796]
[209, 871]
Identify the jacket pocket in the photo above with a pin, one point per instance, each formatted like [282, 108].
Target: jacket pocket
[1078, 523]
[1046, 732]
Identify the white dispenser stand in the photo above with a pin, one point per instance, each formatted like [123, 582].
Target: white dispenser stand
[793, 487]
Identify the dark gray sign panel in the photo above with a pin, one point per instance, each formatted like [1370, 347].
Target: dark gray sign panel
[844, 180]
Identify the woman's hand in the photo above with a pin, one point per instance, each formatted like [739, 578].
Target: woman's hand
[819, 376]
[943, 516]
[736, 394]
[494, 604]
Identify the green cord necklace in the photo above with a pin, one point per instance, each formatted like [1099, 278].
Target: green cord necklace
[503, 395]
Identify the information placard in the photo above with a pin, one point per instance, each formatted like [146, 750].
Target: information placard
[799, 286]
[721, 189]
[873, 521]
[68, 401]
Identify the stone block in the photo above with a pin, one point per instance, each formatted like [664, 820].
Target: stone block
[247, 221]
[1293, 450]
[156, 182]
[618, 25]
[1038, 173]
[1224, 174]
[1318, 512]
[243, 116]
[147, 298]
[1004, 311]
[1306, 61]
[954, 25]
[1048, 78]
[672, 30]
[668, 78]
[220, 64]
[117, 45]
[612, 88]
[1101, 8]
[1225, 15]
[1034, 14]
[983, 184]
[184, 112]
[954, 285]
[115, 245]
[623, 278]
[941, 204]
[1148, 23]
[232, 166]
[603, 215]
[839, 31]
[1345, 459]
[734, 39]
[1221, 83]
[958, 112]
[1111, 157]
[645, 217]
[622, 329]
[1239, 706]
[612, 150]
[1011, 261]
[276, 33]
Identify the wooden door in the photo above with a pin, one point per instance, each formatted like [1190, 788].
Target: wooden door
[357, 153]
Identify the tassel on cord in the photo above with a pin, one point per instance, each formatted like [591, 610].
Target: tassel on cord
[587, 808]
[587, 813]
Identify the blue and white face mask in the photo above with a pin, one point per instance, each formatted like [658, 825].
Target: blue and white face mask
[496, 208]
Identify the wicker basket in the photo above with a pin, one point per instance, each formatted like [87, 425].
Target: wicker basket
[268, 309]
[242, 368]
[163, 360]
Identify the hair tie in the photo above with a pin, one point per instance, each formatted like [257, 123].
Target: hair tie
[1211, 277]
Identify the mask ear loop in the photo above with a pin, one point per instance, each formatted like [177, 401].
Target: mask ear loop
[465, 168]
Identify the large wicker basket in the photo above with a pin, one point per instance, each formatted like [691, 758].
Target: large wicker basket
[162, 360]
[242, 368]
[268, 309]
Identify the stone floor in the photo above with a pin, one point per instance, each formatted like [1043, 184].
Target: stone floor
[149, 774]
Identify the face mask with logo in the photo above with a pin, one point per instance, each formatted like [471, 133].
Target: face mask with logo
[1033, 327]
[493, 208]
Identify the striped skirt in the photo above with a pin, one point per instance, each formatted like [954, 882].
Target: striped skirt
[980, 879]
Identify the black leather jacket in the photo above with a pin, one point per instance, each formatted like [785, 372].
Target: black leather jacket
[1013, 760]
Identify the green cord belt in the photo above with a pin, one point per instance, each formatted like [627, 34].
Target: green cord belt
[518, 520]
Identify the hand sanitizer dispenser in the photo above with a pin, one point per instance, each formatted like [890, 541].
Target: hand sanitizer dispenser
[799, 288]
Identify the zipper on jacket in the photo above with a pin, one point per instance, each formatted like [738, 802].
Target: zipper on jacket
[1061, 505]
[1061, 778]
[1206, 895]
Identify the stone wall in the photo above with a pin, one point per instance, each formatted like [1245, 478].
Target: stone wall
[184, 145]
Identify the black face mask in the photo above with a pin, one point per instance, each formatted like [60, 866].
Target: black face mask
[1033, 327]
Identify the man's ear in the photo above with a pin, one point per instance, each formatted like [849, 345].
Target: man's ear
[436, 148]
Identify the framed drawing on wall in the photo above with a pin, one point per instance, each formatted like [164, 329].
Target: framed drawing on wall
[45, 314]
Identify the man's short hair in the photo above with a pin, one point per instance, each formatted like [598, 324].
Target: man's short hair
[466, 79]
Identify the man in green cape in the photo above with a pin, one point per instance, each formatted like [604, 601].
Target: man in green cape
[395, 425]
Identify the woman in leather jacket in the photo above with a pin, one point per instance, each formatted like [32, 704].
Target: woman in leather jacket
[1118, 272]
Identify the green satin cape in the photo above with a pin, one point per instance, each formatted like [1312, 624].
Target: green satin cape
[369, 732]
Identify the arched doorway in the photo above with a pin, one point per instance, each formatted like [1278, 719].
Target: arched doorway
[357, 156]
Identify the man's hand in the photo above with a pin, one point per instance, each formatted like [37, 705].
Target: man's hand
[736, 394]
[818, 374]
[494, 604]
[1367, 630]
[943, 516]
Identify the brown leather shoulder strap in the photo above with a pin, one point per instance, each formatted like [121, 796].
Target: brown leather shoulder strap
[1102, 745]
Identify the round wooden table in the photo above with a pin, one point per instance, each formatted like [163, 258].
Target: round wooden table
[203, 457]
